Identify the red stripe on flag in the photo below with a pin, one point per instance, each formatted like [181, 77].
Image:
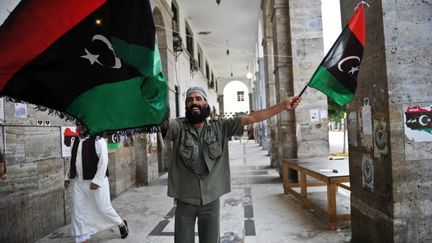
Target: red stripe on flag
[35, 26]
[357, 24]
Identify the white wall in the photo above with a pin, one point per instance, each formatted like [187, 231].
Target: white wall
[230, 98]
[331, 21]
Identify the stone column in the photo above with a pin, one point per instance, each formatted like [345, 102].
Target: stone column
[389, 145]
[267, 8]
[286, 128]
[261, 100]
[221, 102]
[307, 43]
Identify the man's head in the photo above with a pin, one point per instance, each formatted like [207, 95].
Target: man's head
[198, 90]
[197, 108]
[81, 129]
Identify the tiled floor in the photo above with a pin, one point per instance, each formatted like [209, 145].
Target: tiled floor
[256, 210]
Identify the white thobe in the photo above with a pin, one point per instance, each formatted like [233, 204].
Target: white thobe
[92, 209]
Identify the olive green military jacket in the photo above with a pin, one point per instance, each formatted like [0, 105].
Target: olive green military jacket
[183, 183]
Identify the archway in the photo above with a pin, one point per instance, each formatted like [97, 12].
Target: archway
[236, 98]
[161, 37]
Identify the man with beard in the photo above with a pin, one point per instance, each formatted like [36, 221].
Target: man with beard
[199, 173]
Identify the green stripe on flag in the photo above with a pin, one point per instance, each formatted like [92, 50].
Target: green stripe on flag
[329, 85]
[145, 60]
[140, 102]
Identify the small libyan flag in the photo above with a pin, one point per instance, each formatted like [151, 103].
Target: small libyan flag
[336, 76]
[94, 60]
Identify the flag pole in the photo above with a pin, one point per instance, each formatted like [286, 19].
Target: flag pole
[303, 90]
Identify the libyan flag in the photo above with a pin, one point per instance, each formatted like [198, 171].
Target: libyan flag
[94, 60]
[336, 76]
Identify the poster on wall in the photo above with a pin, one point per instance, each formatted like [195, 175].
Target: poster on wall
[367, 173]
[366, 126]
[20, 110]
[2, 111]
[114, 140]
[68, 135]
[366, 117]
[418, 123]
[314, 115]
[323, 115]
[380, 138]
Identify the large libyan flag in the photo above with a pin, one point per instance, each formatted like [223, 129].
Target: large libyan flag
[336, 76]
[92, 59]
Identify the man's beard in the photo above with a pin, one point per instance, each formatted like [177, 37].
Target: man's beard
[195, 118]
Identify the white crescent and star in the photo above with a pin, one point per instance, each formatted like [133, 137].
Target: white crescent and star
[91, 57]
[115, 138]
[353, 69]
[422, 120]
[94, 57]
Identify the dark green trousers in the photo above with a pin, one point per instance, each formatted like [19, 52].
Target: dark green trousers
[208, 222]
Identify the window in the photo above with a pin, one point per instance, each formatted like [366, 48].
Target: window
[177, 41]
[175, 20]
[190, 49]
[189, 41]
[199, 59]
[207, 71]
[240, 95]
[211, 81]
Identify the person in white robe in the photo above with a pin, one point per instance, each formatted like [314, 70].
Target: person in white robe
[92, 209]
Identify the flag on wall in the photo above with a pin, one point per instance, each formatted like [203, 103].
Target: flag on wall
[94, 60]
[336, 76]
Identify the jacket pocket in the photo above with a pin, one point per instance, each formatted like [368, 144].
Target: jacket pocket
[186, 150]
[214, 147]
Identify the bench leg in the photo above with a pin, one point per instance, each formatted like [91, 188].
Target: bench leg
[303, 188]
[331, 203]
[285, 168]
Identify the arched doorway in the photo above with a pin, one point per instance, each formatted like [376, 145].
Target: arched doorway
[161, 36]
[236, 98]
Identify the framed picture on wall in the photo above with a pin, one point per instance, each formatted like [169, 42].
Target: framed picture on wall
[68, 135]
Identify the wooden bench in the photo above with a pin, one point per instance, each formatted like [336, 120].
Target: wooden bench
[330, 173]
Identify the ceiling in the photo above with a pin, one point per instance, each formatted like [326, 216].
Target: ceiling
[232, 20]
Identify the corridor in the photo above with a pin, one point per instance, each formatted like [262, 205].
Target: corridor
[256, 210]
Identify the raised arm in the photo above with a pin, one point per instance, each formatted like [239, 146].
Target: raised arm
[261, 115]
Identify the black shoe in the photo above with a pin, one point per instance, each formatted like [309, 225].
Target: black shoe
[124, 230]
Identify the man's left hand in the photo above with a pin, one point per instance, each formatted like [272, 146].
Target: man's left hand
[93, 186]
